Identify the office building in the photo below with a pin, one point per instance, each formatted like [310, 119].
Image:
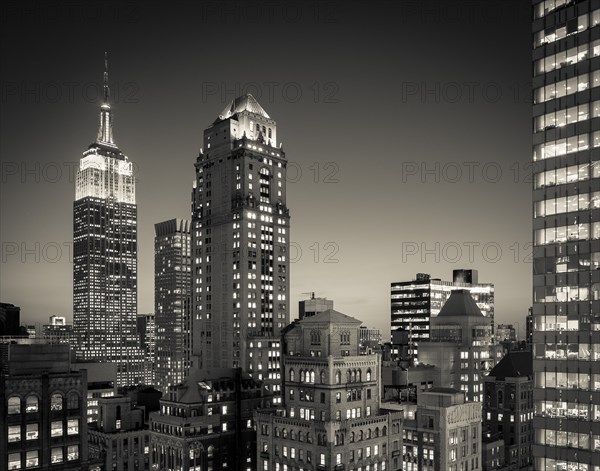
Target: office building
[508, 408]
[172, 291]
[331, 416]
[58, 331]
[240, 242]
[43, 409]
[105, 255]
[443, 433]
[460, 345]
[310, 307]
[506, 333]
[566, 233]
[414, 303]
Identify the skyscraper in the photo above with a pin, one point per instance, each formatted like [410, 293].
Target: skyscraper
[105, 255]
[172, 290]
[240, 243]
[566, 229]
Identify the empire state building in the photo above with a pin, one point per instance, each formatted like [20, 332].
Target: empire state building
[105, 255]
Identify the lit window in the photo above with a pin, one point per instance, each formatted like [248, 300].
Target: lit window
[56, 429]
[72, 452]
[14, 433]
[32, 432]
[73, 427]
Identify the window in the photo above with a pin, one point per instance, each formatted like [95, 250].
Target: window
[14, 461]
[56, 455]
[72, 426]
[322, 459]
[32, 432]
[31, 459]
[56, 402]
[14, 433]
[338, 458]
[14, 405]
[73, 400]
[56, 428]
[369, 374]
[31, 404]
[72, 452]
[292, 375]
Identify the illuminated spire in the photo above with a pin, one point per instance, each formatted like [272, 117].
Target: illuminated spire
[105, 130]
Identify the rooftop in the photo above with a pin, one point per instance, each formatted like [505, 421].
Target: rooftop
[515, 364]
[330, 316]
[460, 303]
[243, 103]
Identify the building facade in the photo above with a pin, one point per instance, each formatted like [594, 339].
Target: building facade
[105, 255]
[240, 240]
[119, 440]
[43, 409]
[58, 331]
[414, 303]
[207, 424]
[172, 297]
[444, 434]
[566, 233]
[508, 408]
[460, 345]
[331, 417]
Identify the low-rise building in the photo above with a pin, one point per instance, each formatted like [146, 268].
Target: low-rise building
[119, 439]
[331, 418]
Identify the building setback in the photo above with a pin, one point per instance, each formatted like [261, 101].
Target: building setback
[172, 291]
[240, 242]
[105, 255]
[331, 417]
[43, 409]
[566, 233]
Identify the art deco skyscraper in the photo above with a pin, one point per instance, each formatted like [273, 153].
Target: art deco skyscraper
[240, 244]
[566, 225]
[172, 287]
[105, 255]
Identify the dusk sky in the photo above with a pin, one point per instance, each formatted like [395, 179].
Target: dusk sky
[407, 126]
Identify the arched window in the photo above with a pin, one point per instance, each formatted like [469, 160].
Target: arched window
[358, 375]
[31, 404]
[369, 434]
[384, 431]
[353, 376]
[322, 376]
[309, 438]
[338, 377]
[72, 400]
[351, 437]
[276, 431]
[376, 431]
[300, 437]
[500, 398]
[284, 433]
[312, 376]
[348, 376]
[56, 401]
[292, 375]
[361, 436]
[315, 337]
[14, 405]
[369, 374]
[211, 451]
[302, 376]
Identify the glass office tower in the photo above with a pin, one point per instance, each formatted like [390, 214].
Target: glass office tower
[566, 226]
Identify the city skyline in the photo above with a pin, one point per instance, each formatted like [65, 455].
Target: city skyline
[159, 120]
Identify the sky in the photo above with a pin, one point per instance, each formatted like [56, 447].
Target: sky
[406, 125]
